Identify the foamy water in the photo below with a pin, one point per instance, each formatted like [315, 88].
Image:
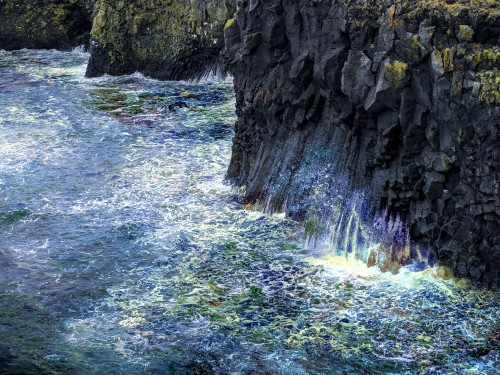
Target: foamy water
[123, 250]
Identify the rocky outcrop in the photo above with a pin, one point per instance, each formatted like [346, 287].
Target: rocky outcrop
[166, 39]
[399, 99]
[175, 39]
[62, 24]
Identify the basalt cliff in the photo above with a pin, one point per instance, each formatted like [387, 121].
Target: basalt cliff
[399, 100]
[171, 40]
[44, 24]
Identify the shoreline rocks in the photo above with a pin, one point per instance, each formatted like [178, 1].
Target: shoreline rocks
[167, 40]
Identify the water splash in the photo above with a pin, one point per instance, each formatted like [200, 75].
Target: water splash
[342, 221]
[381, 240]
[79, 50]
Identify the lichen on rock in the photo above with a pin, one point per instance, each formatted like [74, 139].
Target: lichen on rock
[396, 72]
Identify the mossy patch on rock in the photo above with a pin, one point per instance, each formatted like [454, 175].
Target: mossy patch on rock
[465, 33]
[490, 86]
[395, 72]
[229, 23]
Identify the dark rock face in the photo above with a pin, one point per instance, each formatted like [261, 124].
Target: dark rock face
[62, 24]
[170, 40]
[403, 101]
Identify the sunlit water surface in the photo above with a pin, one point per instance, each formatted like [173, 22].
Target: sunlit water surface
[123, 252]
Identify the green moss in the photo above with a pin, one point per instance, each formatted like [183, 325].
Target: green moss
[396, 72]
[390, 16]
[465, 33]
[443, 272]
[313, 226]
[490, 86]
[491, 55]
[169, 27]
[448, 55]
[229, 23]
[415, 42]
[288, 246]
[481, 58]
[452, 10]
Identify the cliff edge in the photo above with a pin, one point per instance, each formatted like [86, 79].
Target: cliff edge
[399, 99]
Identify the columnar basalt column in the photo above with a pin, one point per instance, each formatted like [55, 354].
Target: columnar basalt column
[400, 98]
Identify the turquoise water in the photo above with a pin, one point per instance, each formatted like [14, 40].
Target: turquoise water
[122, 251]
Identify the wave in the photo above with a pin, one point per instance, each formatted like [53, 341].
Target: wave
[138, 78]
[80, 49]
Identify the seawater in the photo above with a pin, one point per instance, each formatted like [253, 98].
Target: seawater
[122, 250]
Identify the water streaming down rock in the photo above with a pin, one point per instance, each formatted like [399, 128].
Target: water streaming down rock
[381, 240]
[343, 221]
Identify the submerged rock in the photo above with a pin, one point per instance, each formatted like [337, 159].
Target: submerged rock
[399, 99]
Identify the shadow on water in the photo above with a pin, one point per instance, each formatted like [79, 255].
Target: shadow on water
[27, 339]
[9, 217]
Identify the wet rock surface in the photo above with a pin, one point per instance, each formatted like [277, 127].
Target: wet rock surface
[401, 100]
[45, 24]
[180, 39]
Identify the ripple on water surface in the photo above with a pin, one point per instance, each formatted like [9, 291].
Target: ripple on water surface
[122, 250]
